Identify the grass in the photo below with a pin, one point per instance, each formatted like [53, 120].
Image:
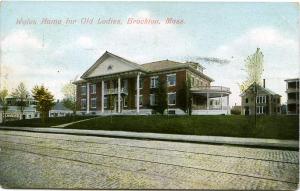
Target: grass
[277, 127]
[36, 122]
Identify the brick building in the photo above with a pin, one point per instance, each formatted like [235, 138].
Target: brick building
[111, 84]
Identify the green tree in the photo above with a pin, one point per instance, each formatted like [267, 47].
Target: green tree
[21, 94]
[45, 101]
[162, 97]
[3, 101]
[69, 100]
[254, 69]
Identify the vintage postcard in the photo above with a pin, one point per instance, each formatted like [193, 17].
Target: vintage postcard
[149, 95]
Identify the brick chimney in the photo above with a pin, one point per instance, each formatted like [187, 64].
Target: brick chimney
[264, 83]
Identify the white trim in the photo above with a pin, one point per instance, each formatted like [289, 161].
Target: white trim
[140, 99]
[93, 87]
[155, 78]
[81, 105]
[94, 99]
[168, 75]
[83, 92]
[171, 93]
[150, 99]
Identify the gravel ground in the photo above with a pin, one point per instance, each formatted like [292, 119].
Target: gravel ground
[40, 160]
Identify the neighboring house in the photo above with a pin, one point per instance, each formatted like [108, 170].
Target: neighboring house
[263, 102]
[292, 90]
[13, 112]
[59, 110]
[129, 88]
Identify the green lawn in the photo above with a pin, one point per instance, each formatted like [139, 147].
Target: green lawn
[277, 127]
[49, 122]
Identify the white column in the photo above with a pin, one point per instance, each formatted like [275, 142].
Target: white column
[87, 97]
[102, 96]
[228, 104]
[221, 101]
[119, 95]
[138, 93]
[207, 102]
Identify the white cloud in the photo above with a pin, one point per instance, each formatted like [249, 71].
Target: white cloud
[281, 59]
[19, 41]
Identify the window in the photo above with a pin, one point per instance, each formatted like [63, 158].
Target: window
[83, 103]
[172, 98]
[93, 88]
[83, 90]
[261, 99]
[125, 84]
[154, 82]
[153, 99]
[93, 103]
[105, 85]
[125, 101]
[171, 79]
[105, 102]
[246, 100]
[260, 109]
[141, 100]
[141, 82]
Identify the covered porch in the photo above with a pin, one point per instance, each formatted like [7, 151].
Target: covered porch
[211, 100]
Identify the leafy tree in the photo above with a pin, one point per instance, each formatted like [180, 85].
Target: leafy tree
[21, 94]
[69, 100]
[3, 101]
[45, 100]
[254, 69]
[162, 97]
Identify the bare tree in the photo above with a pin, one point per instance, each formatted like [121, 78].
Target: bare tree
[69, 100]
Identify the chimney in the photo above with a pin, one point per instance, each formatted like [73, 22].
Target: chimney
[264, 83]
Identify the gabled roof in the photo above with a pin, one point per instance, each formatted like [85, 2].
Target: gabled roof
[106, 55]
[267, 90]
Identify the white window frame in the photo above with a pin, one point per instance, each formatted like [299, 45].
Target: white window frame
[153, 100]
[261, 99]
[93, 88]
[154, 79]
[141, 100]
[171, 93]
[95, 100]
[169, 75]
[83, 92]
[261, 109]
[105, 102]
[81, 105]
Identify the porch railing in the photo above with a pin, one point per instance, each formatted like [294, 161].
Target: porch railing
[115, 91]
[214, 88]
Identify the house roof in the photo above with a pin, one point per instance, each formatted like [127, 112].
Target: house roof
[292, 80]
[156, 66]
[163, 65]
[60, 106]
[267, 90]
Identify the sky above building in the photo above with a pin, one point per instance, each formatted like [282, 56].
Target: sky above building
[36, 49]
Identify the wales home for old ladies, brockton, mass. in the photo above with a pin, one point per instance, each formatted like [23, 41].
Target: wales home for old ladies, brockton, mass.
[114, 84]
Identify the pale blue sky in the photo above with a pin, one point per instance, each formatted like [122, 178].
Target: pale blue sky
[224, 30]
